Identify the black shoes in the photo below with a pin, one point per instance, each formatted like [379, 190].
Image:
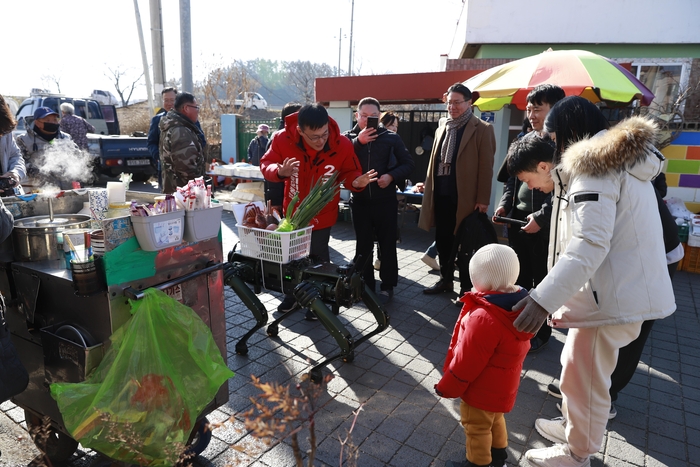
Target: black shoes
[385, 296]
[553, 390]
[441, 287]
[288, 304]
[310, 316]
[537, 344]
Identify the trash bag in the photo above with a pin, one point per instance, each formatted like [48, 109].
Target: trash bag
[142, 401]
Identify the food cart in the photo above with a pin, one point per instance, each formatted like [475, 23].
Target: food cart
[61, 335]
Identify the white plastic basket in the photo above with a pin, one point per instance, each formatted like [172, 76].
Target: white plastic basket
[270, 245]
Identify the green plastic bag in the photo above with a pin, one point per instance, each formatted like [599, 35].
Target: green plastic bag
[142, 401]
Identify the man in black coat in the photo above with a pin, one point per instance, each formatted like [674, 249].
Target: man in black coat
[374, 210]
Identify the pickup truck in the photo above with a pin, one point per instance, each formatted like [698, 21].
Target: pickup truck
[115, 154]
[250, 100]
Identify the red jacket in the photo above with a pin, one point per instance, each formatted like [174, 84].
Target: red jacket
[486, 354]
[337, 156]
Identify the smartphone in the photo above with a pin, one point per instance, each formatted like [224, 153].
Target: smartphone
[509, 220]
[372, 122]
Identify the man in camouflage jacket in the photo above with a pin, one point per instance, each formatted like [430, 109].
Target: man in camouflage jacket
[181, 150]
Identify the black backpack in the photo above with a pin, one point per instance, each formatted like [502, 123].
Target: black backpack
[475, 231]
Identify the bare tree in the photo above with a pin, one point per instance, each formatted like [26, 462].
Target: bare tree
[123, 83]
[302, 75]
[218, 94]
[49, 79]
[670, 114]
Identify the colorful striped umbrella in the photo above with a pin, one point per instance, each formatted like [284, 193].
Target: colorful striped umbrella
[578, 72]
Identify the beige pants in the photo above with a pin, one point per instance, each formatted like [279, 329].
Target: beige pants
[484, 430]
[588, 359]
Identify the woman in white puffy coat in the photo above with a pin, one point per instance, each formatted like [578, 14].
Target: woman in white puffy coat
[607, 266]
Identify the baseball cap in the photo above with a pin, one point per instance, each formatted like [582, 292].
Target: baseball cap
[42, 112]
[263, 127]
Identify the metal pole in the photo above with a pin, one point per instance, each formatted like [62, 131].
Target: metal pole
[144, 58]
[340, 40]
[186, 45]
[157, 50]
[352, 15]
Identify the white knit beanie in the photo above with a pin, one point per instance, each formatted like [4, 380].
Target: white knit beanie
[494, 267]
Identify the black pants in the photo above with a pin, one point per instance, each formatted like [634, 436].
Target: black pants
[377, 219]
[319, 243]
[532, 250]
[445, 223]
[630, 354]
[274, 192]
[319, 246]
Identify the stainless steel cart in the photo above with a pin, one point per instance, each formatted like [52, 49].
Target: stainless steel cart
[62, 336]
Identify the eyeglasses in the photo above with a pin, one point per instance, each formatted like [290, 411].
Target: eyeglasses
[195, 107]
[454, 103]
[315, 138]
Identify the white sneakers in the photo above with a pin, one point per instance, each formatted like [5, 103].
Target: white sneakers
[430, 261]
[554, 430]
[558, 455]
[555, 456]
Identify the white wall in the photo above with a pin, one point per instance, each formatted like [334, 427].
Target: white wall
[582, 21]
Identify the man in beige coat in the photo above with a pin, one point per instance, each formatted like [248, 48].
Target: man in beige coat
[458, 181]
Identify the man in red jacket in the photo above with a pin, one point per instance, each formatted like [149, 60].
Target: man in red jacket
[311, 147]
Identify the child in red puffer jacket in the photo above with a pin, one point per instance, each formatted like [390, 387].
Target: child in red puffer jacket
[486, 354]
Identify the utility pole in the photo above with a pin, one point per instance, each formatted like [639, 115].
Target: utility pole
[186, 45]
[340, 40]
[144, 58]
[157, 51]
[352, 15]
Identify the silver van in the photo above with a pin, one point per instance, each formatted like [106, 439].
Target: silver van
[89, 109]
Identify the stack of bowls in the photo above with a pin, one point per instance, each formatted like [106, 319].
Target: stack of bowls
[97, 240]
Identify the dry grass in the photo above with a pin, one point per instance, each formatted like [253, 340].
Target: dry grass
[134, 118]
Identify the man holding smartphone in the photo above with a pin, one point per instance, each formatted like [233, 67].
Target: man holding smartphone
[375, 209]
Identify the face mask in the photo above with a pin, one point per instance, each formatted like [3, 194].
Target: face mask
[50, 127]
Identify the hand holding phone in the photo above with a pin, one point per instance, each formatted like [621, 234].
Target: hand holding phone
[508, 220]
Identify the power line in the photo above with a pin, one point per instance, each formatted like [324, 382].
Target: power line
[464, 3]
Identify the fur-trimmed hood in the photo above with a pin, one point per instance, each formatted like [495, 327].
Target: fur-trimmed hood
[626, 146]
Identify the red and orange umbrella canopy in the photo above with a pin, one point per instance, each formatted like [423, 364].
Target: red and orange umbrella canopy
[578, 72]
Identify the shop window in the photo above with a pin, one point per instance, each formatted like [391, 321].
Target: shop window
[666, 81]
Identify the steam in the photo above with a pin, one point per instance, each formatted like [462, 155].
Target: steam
[62, 163]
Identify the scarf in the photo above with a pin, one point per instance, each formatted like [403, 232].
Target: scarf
[448, 145]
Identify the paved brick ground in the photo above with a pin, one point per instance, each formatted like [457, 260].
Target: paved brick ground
[403, 423]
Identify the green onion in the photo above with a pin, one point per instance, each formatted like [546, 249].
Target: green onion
[319, 196]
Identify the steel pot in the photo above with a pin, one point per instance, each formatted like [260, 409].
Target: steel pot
[37, 238]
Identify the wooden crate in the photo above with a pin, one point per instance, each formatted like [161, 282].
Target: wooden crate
[691, 260]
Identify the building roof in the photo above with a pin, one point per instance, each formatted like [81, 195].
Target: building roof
[409, 88]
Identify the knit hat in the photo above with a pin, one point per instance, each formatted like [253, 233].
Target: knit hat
[494, 267]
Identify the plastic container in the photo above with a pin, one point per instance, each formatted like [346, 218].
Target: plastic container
[277, 247]
[202, 224]
[158, 232]
[86, 209]
[118, 210]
